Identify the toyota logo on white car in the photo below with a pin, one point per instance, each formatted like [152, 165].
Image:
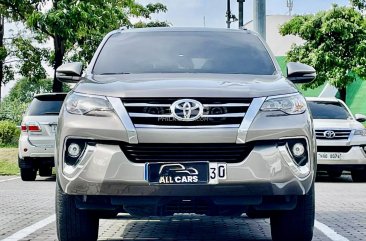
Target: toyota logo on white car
[187, 110]
[329, 134]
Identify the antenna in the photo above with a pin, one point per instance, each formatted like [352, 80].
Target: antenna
[290, 5]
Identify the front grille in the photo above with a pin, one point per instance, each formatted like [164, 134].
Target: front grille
[229, 153]
[339, 134]
[342, 149]
[157, 111]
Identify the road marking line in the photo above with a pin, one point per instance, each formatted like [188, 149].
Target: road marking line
[10, 179]
[31, 229]
[330, 233]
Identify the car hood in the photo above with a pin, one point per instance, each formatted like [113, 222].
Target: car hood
[185, 85]
[331, 124]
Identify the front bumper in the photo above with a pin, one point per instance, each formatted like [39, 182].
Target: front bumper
[105, 170]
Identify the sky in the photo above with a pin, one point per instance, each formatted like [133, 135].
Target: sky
[191, 13]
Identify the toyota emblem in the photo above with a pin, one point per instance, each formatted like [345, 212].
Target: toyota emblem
[187, 110]
[329, 134]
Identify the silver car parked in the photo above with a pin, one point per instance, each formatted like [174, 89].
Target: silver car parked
[341, 138]
[37, 138]
[188, 120]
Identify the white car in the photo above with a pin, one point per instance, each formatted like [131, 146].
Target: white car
[37, 138]
[341, 138]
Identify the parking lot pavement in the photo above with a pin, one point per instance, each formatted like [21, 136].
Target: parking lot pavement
[27, 210]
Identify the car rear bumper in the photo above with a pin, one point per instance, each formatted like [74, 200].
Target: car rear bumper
[27, 149]
[268, 170]
[355, 156]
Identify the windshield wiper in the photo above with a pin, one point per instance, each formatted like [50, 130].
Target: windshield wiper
[111, 73]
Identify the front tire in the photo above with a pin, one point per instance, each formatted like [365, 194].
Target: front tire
[297, 224]
[28, 174]
[359, 175]
[74, 224]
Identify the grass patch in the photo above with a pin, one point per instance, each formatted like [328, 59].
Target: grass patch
[9, 161]
[9, 154]
[9, 168]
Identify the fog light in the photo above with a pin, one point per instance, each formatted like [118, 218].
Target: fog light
[73, 150]
[298, 150]
[364, 148]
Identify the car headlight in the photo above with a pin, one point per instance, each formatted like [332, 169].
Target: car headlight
[289, 104]
[361, 132]
[80, 104]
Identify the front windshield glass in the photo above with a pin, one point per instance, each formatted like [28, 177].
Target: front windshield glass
[184, 52]
[328, 110]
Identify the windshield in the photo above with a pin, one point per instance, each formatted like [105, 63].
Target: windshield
[328, 110]
[46, 105]
[184, 52]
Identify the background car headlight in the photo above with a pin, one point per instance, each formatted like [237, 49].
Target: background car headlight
[80, 104]
[361, 132]
[290, 104]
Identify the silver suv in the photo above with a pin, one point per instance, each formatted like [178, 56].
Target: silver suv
[341, 138]
[37, 138]
[171, 120]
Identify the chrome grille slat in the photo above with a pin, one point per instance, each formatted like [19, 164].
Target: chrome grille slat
[142, 115]
[226, 105]
[186, 127]
[224, 115]
[145, 104]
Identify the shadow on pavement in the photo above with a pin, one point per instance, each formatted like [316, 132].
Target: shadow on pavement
[323, 177]
[189, 228]
[46, 179]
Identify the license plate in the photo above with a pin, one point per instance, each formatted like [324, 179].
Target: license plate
[185, 173]
[332, 156]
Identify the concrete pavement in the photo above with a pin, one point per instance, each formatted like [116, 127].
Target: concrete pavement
[27, 210]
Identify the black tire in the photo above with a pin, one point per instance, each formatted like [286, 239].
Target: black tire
[297, 224]
[45, 171]
[359, 175]
[335, 173]
[74, 224]
[28, 174]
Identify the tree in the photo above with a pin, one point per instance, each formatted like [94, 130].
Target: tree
[6, 70]
[360, 4]
[16, 102]
[76, 27]
[25, 89]
[2, 50]
[335, 45]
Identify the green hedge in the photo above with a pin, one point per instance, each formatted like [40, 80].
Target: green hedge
[9, 133]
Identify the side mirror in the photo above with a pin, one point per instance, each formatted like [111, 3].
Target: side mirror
[360, 117]
[70, 72]
[300, 73]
